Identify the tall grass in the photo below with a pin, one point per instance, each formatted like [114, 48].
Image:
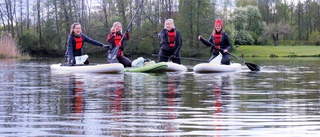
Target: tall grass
[8, 47]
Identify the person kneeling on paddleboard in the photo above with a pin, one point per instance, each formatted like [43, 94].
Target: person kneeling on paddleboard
[171, 43]
[219, 42]
[75, 43]
[114, 38]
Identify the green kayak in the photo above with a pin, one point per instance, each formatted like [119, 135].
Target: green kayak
[157, 67]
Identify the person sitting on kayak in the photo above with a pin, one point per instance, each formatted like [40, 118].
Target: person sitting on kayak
[114, 39]
[75, 43]
[171, 43]
[219, 42]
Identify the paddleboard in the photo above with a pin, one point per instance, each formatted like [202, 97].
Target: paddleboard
[157, 67]
[172, 67]
[96, 68]
[215, 66]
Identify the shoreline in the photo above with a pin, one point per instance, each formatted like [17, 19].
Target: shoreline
[276, 51]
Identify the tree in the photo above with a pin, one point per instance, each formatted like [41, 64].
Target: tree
[276, 31]
[264, 9]
[193, 19]
[188, 18]
[10, 8]
[299, 12]
[240, 35]
[39, 31]
[255, 24]
[244, 3]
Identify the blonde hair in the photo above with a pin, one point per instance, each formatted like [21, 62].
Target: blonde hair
[73, 26]
[114, 26]
[171, 20]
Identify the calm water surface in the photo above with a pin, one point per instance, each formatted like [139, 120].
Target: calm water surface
[281, 100]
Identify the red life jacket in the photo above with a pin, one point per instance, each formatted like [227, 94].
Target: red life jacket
[217, 39]
[117, 40]
[79, 43]
[172, 37]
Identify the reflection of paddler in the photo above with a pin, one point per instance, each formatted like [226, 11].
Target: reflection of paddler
[116, 99]
[217, 98]
[171, 99]
[77, 97]
[218, 92]
[217, 106]
[171, 93]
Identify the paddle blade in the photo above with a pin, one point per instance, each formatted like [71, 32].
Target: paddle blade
[112, 54]
[217, 59]
[253, 67]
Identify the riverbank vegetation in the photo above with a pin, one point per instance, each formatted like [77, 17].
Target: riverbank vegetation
[9, 48]
[41, 27]
[277, 51]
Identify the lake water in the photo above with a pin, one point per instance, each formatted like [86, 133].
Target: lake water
[281, 100]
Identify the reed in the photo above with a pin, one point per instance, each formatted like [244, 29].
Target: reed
[8, 46]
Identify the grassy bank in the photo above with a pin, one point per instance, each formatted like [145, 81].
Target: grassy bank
[277, 51]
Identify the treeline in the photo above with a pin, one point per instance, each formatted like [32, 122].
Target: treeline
[41, 27]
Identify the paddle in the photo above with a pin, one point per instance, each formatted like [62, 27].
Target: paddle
[112, 54]
[252, 67]
[193, 59]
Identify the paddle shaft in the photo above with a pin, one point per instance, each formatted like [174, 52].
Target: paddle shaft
[252, 67]
[130, 24]
[193, 59]
[236, 57]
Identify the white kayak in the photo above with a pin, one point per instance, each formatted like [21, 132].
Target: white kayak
[172, 67]
[215, 66]
[97, 68]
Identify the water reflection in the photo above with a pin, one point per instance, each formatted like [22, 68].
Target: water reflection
[155, 102]
[220, 97]
[172, 100]
[278, 101]
[76, 97]
[217, 103]
[91, 104]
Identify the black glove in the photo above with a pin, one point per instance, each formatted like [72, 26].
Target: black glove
[160, 35]
[127, 31]
[106, 47]
[70, 62]
[118, 33]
